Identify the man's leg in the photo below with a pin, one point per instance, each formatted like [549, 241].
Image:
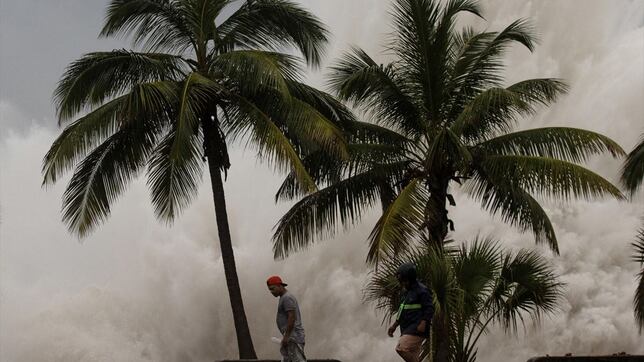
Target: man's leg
[409, 347]
[284, 353]
[296, 352]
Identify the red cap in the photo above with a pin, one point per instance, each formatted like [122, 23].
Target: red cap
[275, 280]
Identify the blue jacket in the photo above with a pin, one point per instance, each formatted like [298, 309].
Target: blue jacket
[416, 306]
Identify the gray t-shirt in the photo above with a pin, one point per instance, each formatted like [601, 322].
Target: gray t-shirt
[289, 303]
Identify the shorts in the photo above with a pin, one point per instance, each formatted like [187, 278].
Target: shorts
[409, 347]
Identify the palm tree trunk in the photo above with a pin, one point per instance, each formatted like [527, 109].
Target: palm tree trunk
[218, 160]
[440, 336]
[436, 214]
[437, 225]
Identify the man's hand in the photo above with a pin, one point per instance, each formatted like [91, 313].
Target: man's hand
[285, 341]
[391, 330]
[422, 326]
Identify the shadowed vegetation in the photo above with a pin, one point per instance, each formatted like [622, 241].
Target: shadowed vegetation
[475, 287]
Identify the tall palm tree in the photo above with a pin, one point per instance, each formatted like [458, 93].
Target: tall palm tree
[632, 178]
[476, 286]
[208, 73]
[442, 117]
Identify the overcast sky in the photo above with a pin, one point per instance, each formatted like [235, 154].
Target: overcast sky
[139, 291]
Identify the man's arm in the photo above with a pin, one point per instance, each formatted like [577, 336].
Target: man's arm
[428, 311]
[290, 324]
[393, 327]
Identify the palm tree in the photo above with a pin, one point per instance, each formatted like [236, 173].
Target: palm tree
[201, 80]
[475, 286]
[632, 178]
[441, 117]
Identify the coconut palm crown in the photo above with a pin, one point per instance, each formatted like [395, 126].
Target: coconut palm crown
[440, 117]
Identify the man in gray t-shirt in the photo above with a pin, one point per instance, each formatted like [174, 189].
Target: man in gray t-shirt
[289, 321]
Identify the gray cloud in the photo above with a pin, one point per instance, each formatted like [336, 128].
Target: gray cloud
[139, 291]
[38, 39]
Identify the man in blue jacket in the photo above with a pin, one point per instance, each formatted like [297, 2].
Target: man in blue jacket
[414, 314]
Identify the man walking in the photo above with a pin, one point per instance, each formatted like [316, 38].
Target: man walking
[414, 314]
[289, 321]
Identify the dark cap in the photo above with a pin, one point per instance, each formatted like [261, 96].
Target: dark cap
[407, 272]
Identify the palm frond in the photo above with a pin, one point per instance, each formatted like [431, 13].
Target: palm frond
[199, 18]
[272, 144]
[147, 101]
[478, 64]
[543, 91]
[447, 149]
[638, 300]
[152, 24]
[253, 70]
[174, 173]
[639, 248]
[461, 45]
[364, 132]
[455, 7]
[442, 48]
[435, 269]
[400, 226]
[300, 122]
[515, 205]
[633, 170]
[312, 129]
[324, 103]
[322, 167]
[416, 21]
[568, 144]
[318, 214]
[547, 177]
[274, 25]
[475, 268]
[175, 167]
[98, 76]
[493, 111]
[360, 80]
[101, 177]
[528, 285]
[81, 136]
[326, 168]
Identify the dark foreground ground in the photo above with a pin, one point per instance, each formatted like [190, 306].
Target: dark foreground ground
[274, 360]
[617, 358]
[614, 358]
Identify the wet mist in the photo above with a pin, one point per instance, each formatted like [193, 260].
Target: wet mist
[138, 290]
